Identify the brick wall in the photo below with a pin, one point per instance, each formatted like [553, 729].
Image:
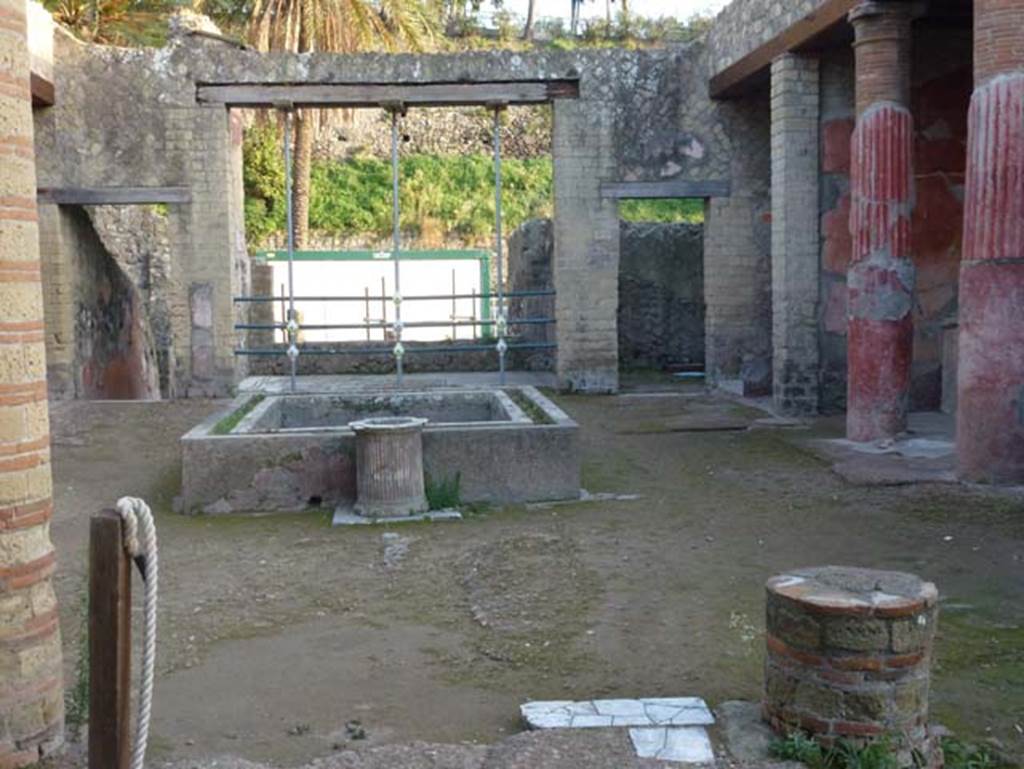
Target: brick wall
[795, 246]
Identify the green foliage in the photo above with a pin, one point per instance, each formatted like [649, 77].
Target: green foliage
[230, 422]
[76, 696]
[440, 196]
[962, 755]
[445, 494]
[843, 755]
[263, 180]
[689, 210]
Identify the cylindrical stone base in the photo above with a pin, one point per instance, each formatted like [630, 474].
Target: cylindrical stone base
[389, 467]
[849, 654]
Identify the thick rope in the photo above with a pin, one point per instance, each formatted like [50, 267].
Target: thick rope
[140, 542]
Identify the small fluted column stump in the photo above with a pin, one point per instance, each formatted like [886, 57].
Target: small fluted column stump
[849, 657]
[389, 467]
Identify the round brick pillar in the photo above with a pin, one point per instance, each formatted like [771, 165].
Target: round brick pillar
[389, 467]
[849, 655]
[31, 708]
[880, 279]
[990, 370]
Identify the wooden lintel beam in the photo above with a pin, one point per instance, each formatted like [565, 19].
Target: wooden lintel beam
[727, 82]
[42, 91]
[375, 94]
[113, 196]
[677, 188]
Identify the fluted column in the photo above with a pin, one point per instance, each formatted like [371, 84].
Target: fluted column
[990, 387]
[31, 690]
[881, 273]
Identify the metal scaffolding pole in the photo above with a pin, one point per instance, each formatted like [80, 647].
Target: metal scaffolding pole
[292, 321]
[396, 244]
[501, 327]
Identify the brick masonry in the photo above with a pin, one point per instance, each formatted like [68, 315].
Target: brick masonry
[849, 653]
[32, 709]
[795, 237]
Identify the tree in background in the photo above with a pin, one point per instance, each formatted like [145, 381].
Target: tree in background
[113, 22]
[528, 27]
[342, 26]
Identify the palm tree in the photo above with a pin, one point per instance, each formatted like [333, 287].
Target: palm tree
[342, 26]
[528, 27]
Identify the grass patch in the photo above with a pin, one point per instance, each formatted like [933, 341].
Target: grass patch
[443, 494]
[76, 696]
[230, 422]
[877, 755]
[843, 755]
[685, 210]
[532, 409]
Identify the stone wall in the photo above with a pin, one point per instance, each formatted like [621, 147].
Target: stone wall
[737, 257]
[744, 25]
[941, 88]
[661, 296]
[640, 116]
[114, 353]
[660, 290]
[439, 131]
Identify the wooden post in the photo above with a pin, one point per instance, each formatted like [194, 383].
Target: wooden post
[110, 649]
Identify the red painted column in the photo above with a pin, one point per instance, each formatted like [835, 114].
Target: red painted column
[880, 279]
[990, 387]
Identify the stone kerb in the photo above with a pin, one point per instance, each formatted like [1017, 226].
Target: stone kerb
[848, 656]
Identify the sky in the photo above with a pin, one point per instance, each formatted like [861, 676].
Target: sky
[681, 9]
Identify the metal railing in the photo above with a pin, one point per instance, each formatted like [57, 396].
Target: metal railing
[500, 324]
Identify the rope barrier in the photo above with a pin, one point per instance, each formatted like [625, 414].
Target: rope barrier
[140, 543]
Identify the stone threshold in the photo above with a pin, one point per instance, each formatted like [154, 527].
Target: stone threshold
[343, 516]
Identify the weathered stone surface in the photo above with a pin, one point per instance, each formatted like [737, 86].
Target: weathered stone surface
[859, 681]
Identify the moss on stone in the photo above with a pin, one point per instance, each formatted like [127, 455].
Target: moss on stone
[230, 422]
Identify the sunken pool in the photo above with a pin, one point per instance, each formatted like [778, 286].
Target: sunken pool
[287, 453]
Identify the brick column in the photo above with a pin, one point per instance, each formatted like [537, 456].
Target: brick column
[31, 708]
[586, 257]
[881, 274]
[795, 241]
[990, 387]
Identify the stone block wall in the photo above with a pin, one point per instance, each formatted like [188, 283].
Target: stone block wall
[660, 308]
[744, 25]
[941, 88]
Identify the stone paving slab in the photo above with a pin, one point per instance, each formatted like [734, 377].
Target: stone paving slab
[592, 714]
[686, 744]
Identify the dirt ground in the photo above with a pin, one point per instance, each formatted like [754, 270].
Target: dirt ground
[277, 632]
